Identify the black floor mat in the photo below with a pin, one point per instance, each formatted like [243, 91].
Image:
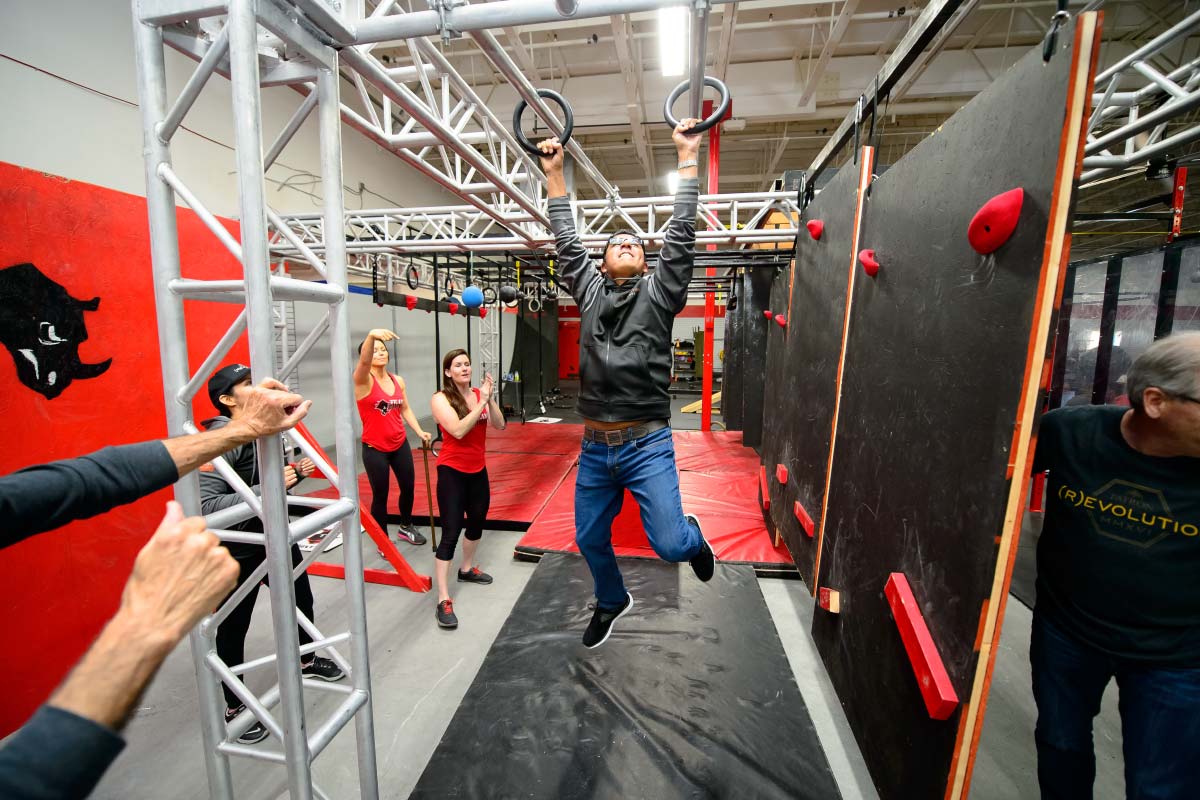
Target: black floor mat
[691, 697]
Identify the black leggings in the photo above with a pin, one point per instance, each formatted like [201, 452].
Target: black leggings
[231, 634]
[377, 464]
[461, 495]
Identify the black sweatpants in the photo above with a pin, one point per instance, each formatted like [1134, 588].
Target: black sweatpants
[461, 496]
[377, 464]
[231, 634]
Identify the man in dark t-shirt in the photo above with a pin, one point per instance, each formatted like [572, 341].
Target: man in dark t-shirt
[1118, 586]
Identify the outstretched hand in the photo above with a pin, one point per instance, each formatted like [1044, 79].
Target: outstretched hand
[687, 144]
[271, 408]
[552, 155]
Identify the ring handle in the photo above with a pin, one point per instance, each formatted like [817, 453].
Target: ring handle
[412, 277]
[568, 121]
[489, 296]
[717, 115]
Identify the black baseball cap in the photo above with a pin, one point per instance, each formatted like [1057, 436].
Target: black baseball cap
[222, 381]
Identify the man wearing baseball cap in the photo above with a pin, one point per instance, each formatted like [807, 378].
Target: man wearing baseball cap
[228, 390]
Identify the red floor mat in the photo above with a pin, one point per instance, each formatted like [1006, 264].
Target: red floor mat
[718, 481]
[521, 484]
[536, 437]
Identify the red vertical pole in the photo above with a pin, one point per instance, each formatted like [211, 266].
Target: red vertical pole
[710, 305]
[1177, 203]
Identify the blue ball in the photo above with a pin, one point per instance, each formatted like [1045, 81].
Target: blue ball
[472, 297]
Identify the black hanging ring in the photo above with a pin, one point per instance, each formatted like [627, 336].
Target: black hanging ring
[717, 115]
[489, 295]
[450, 287]
[568, 121]
[413, 278]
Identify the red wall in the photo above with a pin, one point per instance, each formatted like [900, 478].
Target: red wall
[568, 350]
[59, 588]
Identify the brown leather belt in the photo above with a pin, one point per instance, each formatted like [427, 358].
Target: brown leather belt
[623, 435]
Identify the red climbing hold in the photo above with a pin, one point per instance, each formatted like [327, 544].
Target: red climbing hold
[781, 473]
[815, 228]
[781, 320]
[410, 302]
[995, 221]
[482, 313]
[803, 518]
[453, 308]
[867, 259]
[768, 314]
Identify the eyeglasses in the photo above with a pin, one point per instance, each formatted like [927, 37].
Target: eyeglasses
[621, 239]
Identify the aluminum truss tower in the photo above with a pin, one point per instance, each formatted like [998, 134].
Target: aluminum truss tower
[281, 709]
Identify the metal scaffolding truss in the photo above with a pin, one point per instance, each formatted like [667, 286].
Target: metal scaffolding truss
[235, 50]
[1137, 103]
[724, 219]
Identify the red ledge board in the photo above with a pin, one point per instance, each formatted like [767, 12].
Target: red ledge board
[805, 520]
[932, 678]
[763, 488]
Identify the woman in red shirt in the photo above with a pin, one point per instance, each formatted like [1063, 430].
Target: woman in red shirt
[384, 408]
[463, 414]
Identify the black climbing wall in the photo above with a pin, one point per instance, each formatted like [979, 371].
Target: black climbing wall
[802, 426]
[745, 355]
[938, 348]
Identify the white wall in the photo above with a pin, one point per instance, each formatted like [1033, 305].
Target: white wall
[412, 355]
[56, 127]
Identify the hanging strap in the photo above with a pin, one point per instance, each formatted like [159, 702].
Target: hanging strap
[1050, 42]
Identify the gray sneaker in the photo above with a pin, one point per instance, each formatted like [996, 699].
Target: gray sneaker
[411, 535]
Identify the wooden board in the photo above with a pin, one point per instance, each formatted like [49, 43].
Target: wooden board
[812, 359]
[944, 360]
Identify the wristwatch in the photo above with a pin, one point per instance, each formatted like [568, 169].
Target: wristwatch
[691, 162]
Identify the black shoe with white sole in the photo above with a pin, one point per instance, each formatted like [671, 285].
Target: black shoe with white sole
[252, 735]
[704, 562]
[411, 535]
[602, 622]
[323, 669]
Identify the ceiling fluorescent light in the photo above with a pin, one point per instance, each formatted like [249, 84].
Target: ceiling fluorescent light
[673, 40]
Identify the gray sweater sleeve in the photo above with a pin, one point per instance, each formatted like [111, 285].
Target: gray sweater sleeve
[669, 284]
[576, 271]
[57, 755]
[47, 496]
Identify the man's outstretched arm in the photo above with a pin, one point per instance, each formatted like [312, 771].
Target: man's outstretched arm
[669, 283]
[576, 272]
[47, 496]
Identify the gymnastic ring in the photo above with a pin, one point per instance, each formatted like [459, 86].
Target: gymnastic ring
[449, 285]
[534, 305]
[413, 277]
[568, 121]
[489, 296]
[705, 124]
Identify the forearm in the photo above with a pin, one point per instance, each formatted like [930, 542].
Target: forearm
[190, 452]
[107, 682]
[411, 419]
[464, 425]
[576, 272]
[556, 184]
[678, 252]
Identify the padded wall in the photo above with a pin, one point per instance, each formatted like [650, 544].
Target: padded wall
[800, 421]
[943, 357]
[62, 586]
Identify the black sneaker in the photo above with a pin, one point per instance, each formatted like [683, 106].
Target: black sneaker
[445, 614]
[411, 535]
[474, 575]
[704, 562]
[602, 622]
[252, 735]
[322, 669]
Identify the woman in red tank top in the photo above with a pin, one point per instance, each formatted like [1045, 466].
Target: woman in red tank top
[384, 408]
[463, 492]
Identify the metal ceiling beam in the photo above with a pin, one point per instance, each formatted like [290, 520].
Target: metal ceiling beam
[840, 26]
[622, 28]
[926, 28]
[729, 15]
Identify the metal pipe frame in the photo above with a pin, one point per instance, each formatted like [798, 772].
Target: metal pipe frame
[235, 53]
[1142, 109]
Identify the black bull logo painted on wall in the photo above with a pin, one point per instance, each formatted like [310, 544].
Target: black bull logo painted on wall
[42, 326]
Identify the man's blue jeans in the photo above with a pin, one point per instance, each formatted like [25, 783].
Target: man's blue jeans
[646, 467]
[1160, 719]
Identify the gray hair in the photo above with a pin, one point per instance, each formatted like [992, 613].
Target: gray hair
[1171, 364]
